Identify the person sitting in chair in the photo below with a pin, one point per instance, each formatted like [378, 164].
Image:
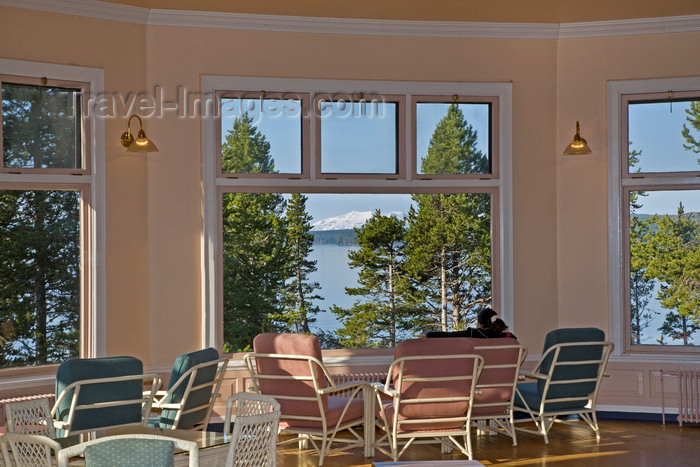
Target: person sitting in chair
[488, 325]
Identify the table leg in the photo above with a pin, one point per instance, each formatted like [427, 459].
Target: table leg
[369, 395]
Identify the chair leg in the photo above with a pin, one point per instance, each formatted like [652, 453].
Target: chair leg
[592, 421]
[445, 446]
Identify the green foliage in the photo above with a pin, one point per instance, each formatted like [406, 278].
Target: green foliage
[256, 257]
[677, 327]
[39, 276]
[384, 308]
[344, 237]
[298, 292]
[39, 126]
[669, 251]
[245, 149]
[452, 148]
[449, 235]
[641, 285]
[693, 119]
[39, 229]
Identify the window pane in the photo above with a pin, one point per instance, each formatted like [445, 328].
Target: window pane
[357, 270]
[359, 137]
[261, 135]
[39, 277]
[453, 138]
[41, 127]
[664, 267]
[664, 136]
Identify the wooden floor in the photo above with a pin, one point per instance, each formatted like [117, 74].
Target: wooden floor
[625, 444]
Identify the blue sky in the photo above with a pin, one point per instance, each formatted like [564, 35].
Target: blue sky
[366, 145]
[655, 130]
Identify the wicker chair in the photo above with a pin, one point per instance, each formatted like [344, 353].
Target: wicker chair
[130, 450]
[254, 421]
[30, 417]
[28, 450]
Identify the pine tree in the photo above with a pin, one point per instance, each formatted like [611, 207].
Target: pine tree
[298, 291]
[671, 251]
[693, 119]
[385, 308]
[641, 286]
[39, 231]
[255, 253]
[449, 235]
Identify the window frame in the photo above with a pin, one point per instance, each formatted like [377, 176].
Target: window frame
[400, 101]
[305, 102]
[620, 183]
[84, 124]
[214, 185]
[493, 134]
[89, 181]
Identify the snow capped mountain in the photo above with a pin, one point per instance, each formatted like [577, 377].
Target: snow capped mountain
[350, 220]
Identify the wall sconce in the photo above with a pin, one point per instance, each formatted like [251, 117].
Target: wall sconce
[578, 146]
[141, 143]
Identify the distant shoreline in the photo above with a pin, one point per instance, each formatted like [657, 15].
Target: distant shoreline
[344, 237]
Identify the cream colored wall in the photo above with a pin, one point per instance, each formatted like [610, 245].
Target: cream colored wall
[514, 11]
[154, 202]
[179, 57]
[584, 68]
[118, 49]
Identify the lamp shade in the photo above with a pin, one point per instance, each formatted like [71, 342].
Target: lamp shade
[578, 146]
[139, 144]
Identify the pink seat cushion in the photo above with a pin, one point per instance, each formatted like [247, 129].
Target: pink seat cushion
[414, 427]
[355, 412]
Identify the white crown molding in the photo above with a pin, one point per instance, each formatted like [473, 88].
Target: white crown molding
[202, 19]
[632, 27]
[346, 26]
[86, 8]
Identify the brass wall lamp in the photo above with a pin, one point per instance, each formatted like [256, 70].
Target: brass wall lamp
[141, 143]
[578, 146]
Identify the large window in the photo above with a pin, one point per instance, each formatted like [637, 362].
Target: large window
[364, 218]
[48, 215]
[658, 195]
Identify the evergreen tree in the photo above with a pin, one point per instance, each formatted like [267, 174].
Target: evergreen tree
[678, 327]
[449, 235]
[39, 231]
[298, 291]
[641, 286]
[693, 119]
[671, 251]
[384, 308]
[255, 256]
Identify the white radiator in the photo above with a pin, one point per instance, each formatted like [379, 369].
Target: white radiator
[688, 395]
[370, 377]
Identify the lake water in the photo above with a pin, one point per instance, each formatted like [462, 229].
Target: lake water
[333, 274]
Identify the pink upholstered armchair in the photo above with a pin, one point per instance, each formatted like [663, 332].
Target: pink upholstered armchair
[289, 367]
[431, 386]
[497, 382]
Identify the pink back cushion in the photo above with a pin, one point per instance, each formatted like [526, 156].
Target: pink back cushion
[504, 377]
[429, 367]
[290, 344]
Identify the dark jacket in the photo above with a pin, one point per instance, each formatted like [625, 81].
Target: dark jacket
[470, 332]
